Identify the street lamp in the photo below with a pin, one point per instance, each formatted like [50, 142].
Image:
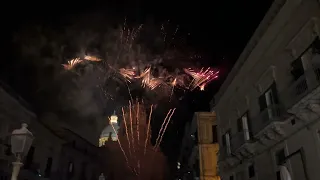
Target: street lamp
[21, 140]
[102, 177]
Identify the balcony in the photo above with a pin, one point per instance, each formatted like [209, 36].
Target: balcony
[223, 154]
[241, 145]
[303, 94]
[226, 159]
[272, 115]
[301, 87]
[237, 140]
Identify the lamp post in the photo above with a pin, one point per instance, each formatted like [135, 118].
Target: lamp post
[21, 140]
[102, 177]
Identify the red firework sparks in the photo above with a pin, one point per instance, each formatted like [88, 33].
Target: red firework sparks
[202, 77]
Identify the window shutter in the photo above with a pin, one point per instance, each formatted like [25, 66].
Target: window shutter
[224, 140]
[239, 122]
[262, 102]
[249, 123]
[275, 93]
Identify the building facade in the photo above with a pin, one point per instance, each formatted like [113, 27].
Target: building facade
[268, 107]
[208, 145]
[188, 166]
[55, 155]
[198, 156]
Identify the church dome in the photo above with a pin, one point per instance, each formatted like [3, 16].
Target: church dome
[110, 132]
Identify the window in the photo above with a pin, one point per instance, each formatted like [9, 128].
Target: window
[297, 69]
[280, 156]
[223, 140]
[268, 100]
[239, 124]
[47, 171]
[228, 143]
[251, 171]
[214, 134]
[245, 126]
[278, 175]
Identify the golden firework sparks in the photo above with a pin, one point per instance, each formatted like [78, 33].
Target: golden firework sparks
[72, 63]
[91, 58]
[128, 74]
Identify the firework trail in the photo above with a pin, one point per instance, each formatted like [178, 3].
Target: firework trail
[160, 131]
[129, 91]
[138, 133]
[130, 116]
[124, 154]
[164, 130]
[139, 166]
[163, 32]
[148, 129]
[173, 84]
[127, 134]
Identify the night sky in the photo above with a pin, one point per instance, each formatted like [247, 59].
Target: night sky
[218, 30]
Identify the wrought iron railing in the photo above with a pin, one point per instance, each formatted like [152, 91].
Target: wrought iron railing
[267, 116]
[238, 139]
[301, 87]
[223, 153]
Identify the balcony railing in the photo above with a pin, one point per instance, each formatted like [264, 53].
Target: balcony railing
[223, 153]
[271, 114]
[238, 139]
[301, 87]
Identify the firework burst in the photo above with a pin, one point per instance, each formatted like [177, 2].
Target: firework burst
[202, 77]
[72, 63]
